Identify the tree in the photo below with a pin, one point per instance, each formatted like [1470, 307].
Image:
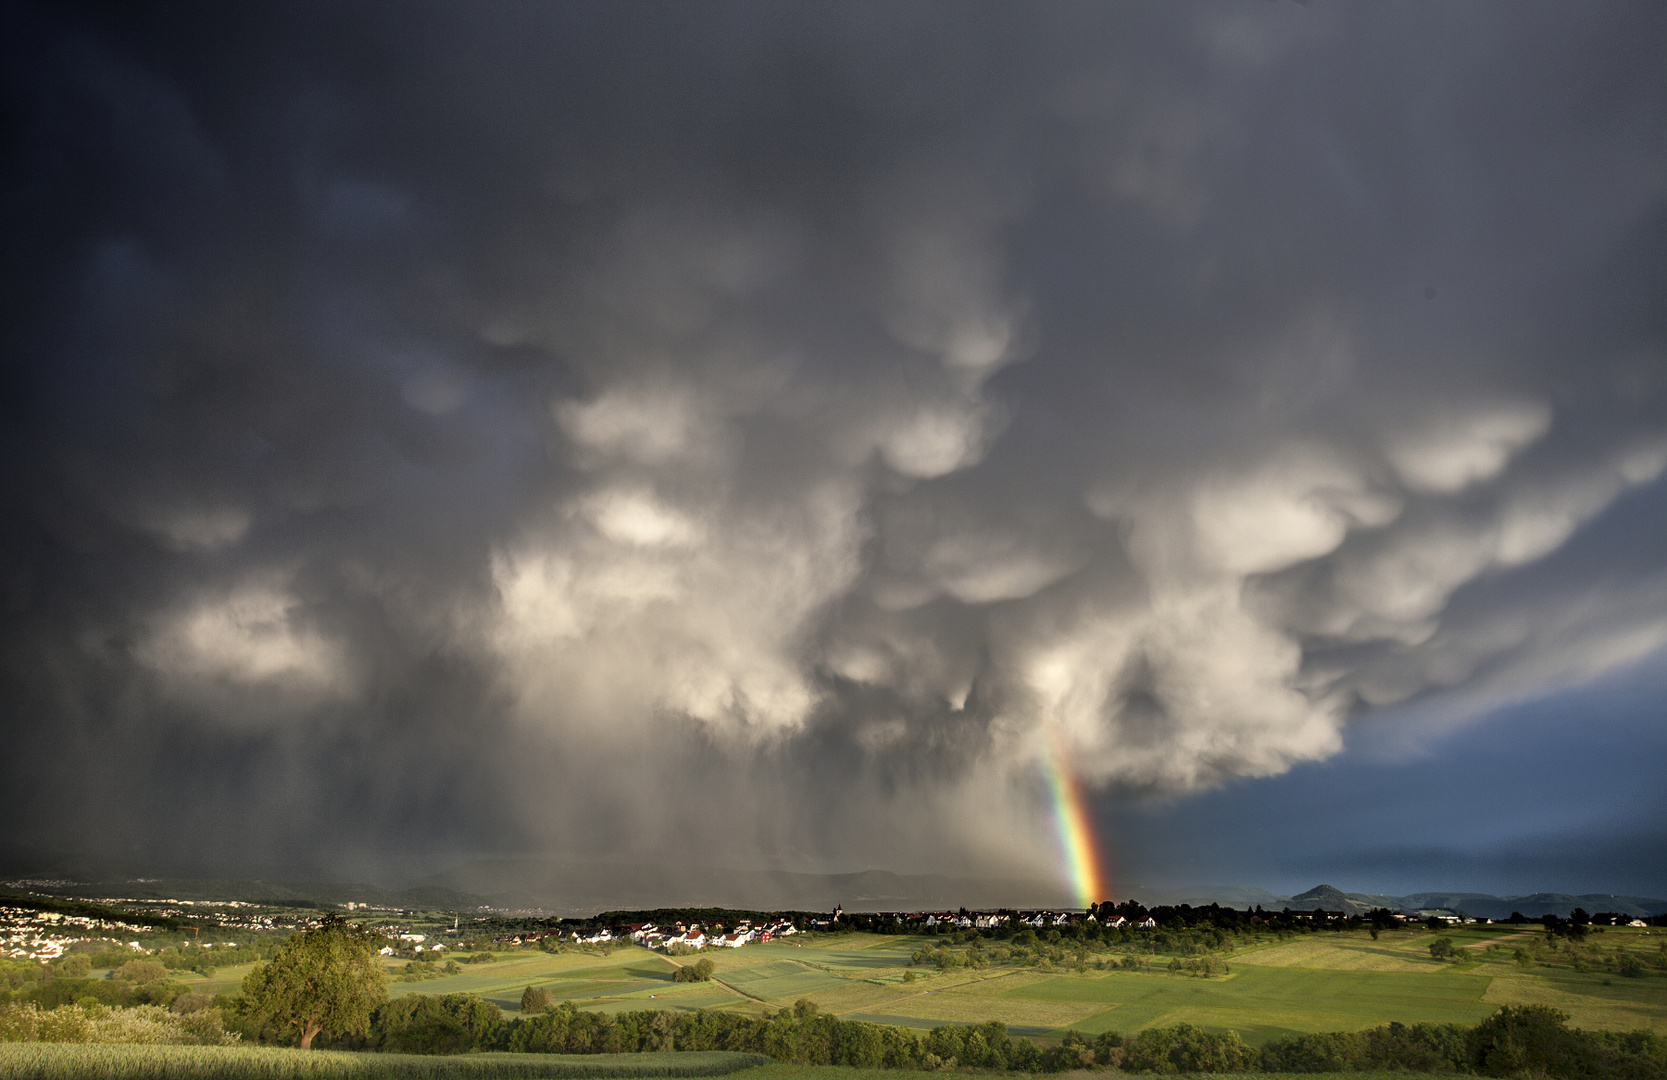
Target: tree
[699, 971]
[77, 966]
[452, 1024]
[323, 981]
[141, 971]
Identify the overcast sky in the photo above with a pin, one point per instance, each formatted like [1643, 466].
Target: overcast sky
[766, 432]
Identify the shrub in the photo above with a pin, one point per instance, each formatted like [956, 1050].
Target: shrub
[1186, 1048]
[142, 971]
[190, 1002]
[537, 1000]
[27, 1022]
[1418, 1048]
[450, 1024]
[699, 971]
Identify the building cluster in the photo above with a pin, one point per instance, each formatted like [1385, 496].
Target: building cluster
[224, 914]
[26, 934]
[417, 943]
[710, 935]
[690, 935]
[991, 920]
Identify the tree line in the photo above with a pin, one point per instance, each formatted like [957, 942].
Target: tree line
[1532, 1040]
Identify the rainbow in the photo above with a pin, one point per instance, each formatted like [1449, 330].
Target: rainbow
[1076, 827]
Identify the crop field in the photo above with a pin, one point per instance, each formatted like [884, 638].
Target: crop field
[772, 974]
[225, 980]
[580, 977]
[1326, 953]
[781, 979]
[1264, 1003]
[696, 996]
[1592, 1000]
[1407, 952]
[1310, 983]
[1306, 983]
[77, 1061]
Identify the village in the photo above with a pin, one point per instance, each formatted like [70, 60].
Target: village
[42, 936]
[46, 935]
[683, 936]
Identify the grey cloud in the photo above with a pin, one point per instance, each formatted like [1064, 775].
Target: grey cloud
[581, 427]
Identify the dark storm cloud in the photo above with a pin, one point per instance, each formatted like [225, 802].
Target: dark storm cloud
[587, 427]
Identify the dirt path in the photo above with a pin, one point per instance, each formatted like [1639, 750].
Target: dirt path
[1507, 937]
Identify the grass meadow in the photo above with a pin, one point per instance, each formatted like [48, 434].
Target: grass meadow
[82, 1061]
[1310, 983]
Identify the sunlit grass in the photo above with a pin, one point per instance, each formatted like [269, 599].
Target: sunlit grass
[77, 1061]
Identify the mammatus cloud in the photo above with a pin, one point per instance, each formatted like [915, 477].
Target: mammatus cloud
[798, 434]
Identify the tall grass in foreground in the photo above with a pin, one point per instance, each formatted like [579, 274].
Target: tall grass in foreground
[93, 1023]
[846, 1072]
[101, 1061]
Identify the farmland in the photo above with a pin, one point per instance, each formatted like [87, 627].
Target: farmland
[1263, 982]
[1307, 983]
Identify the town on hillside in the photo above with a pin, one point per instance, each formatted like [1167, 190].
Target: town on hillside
[32, 930]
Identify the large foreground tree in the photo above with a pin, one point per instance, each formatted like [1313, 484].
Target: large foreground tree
[325, 980]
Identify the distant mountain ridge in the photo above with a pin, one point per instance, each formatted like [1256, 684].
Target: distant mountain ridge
[584, 888]
[574, 888]
[1478, 905]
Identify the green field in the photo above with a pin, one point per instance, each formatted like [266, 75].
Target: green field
[1264, 1003]
[1306, 983]
[586, 979]
[75, 1061]
[1309, 983]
